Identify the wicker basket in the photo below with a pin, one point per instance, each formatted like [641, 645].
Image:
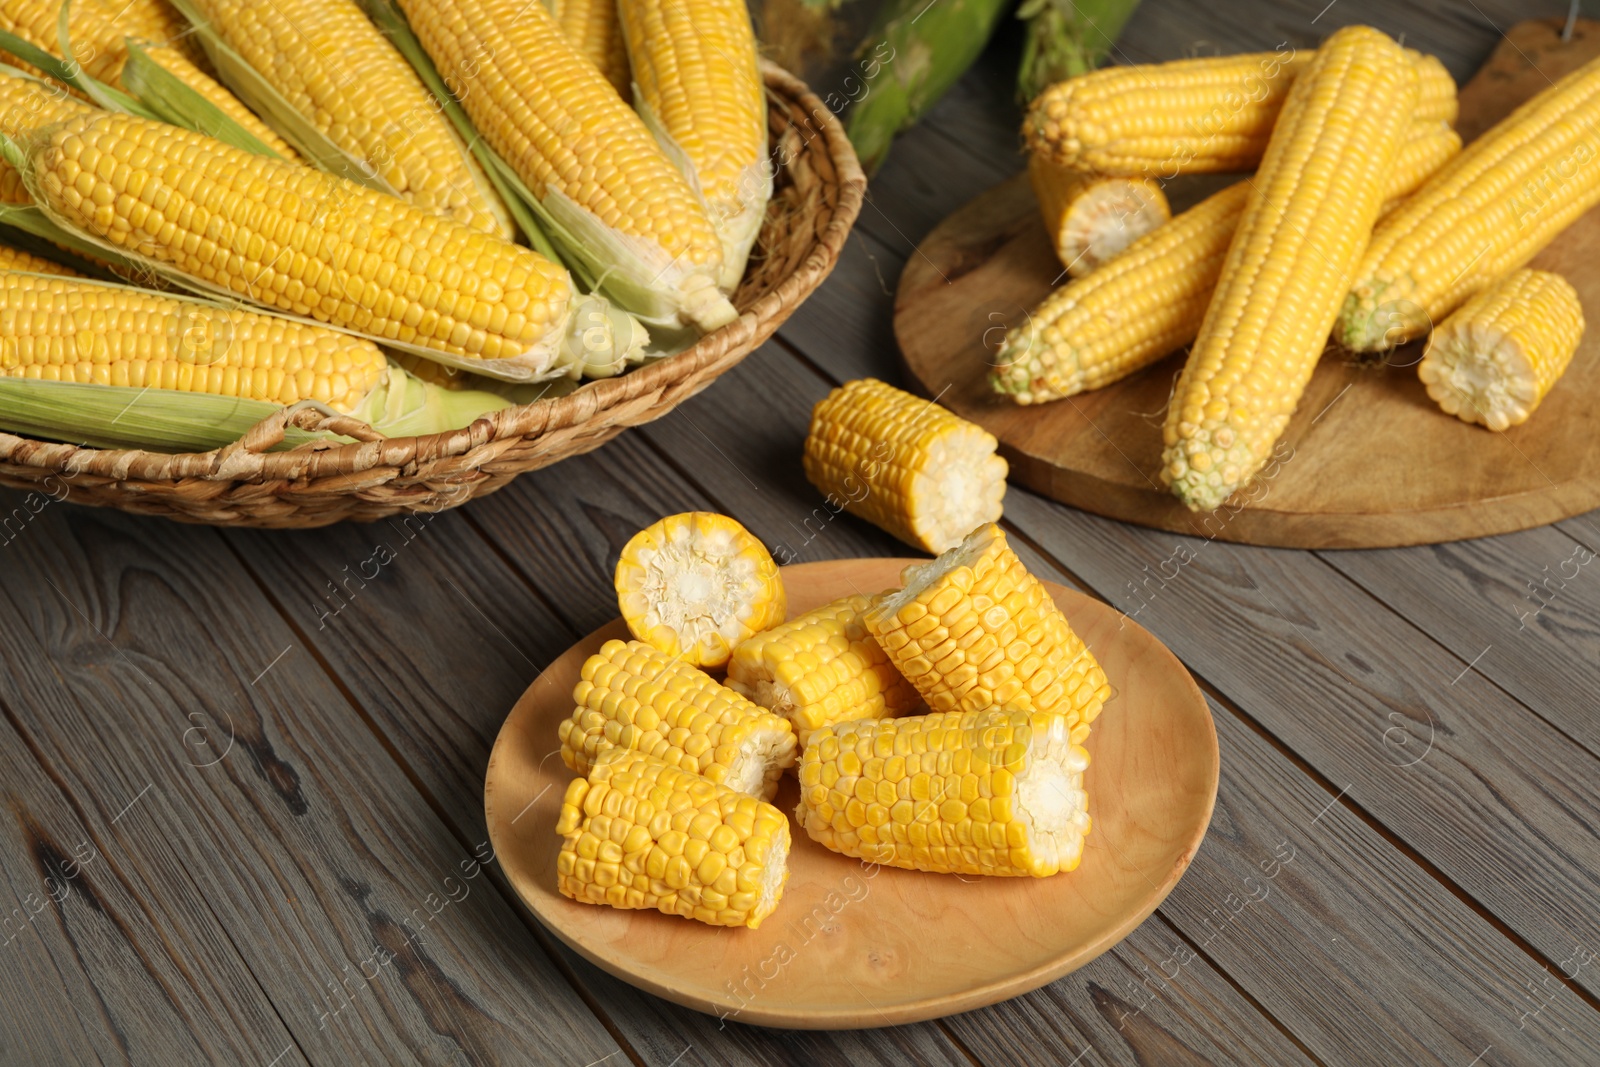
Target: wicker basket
[817, 193]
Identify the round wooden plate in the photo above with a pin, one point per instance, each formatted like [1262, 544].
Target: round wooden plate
[1369, 461]
[852, 945]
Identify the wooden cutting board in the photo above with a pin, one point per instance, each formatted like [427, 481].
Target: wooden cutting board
[1368, 461]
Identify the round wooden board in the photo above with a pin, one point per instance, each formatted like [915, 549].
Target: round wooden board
[853, 945]
[1369, 461]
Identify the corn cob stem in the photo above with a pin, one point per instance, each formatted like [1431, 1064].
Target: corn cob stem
[1067, 38]
[1310, 212]
[1500, 353]
[1091, 217]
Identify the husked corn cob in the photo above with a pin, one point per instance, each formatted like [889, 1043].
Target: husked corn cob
[309, 243]
[904, 464]
[1191, 116]
[16, 259]
[1311, 210]
[595, 30]
[1151, 299]
[697, 584]
[327, 59]
[1497, 204]
[26, 104]
[821, 668]
[551, 115]
[634, 696]
[640, 833]
[973, 630]
[1500, 353]
[1091, 217]
[996, 792]
[699, 83]
[99, 32]
[72, 330]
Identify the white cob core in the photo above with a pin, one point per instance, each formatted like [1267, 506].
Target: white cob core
[1480, 374]
[1108, 218]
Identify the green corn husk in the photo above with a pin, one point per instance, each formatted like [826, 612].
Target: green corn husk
[1067, 38]
[920, 49]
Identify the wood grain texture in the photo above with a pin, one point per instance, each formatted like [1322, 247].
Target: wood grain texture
[1368, 460]
[847, 947]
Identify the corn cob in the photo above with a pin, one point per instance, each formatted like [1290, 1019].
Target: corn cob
[1310, 212]
[595, 30]
[640, 833]
[1150, 300]
[1497, 204]
[973, 630]
[16, 259]
[700, 88]
[992, 792]
[1500, 353]
[904, 464]
[695, 585]
[821, 668]
[1192, 116]
[327, 59]
[551, 115]
[1091, 217]
[312, 244]
[99, 35]
[633, 696]
[26, 104]
[69, 330]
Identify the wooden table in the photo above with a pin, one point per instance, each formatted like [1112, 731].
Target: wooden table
[242, 771]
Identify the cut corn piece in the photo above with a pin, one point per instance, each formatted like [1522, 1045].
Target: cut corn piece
[72, 330]
[973, 630]
[992, 792]
[1091, 217]
[633, 696]
[333, 66]
[700, 89]
[821, 668]
[1500, 353]
[1309, 216]
[1497, 204]
[16, 259]
[284, 235]
[1191, 116]
[697, 584]
[595, 30]
[640, 833]
[904, 463]
[550, 114]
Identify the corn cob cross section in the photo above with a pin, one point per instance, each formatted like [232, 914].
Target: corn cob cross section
[1310, 212]
[1501, 352]
[633, 696]
[973, 630]
[904, 463]
[1092, 217]
[640, 833]
[992, 792]
[821, 668]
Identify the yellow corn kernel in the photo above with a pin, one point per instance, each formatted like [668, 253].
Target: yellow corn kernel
[552, 116]
[992, 792]
[1310, 212]
[821, 668]
[974, 630]
[633, 696]
[595, 29]
[1484, 215]
[327, 59]
[26, 105]
[1191, 116]
[640, 860]
[16, 259]
[72, 330]
[697, 584]
[309, 243]
[904, 464]
[1500, 353]
[698, 79]
[1092, 217]
[160, 23]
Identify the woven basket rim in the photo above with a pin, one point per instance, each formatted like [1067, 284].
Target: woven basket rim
[246, 460]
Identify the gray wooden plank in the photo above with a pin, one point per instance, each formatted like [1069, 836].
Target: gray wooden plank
[294, 826]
